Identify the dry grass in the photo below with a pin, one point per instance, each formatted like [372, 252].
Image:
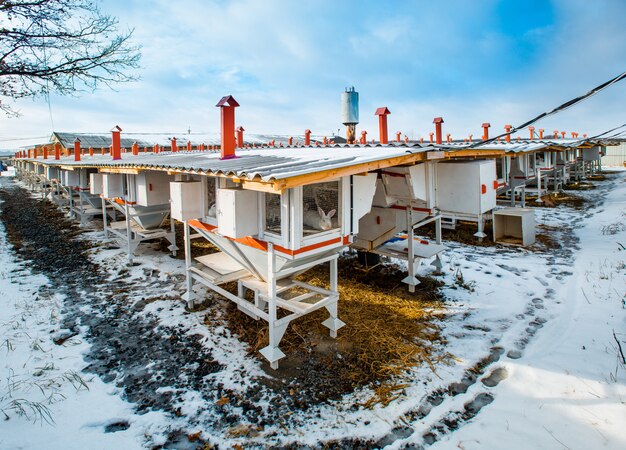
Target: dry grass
[388, 330]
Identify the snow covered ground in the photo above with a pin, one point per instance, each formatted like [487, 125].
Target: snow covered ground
[536, 363]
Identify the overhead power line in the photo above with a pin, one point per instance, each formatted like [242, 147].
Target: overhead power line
[563, 107]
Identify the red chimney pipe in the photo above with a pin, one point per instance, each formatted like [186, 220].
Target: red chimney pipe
[486, 126]
[135, 148]
[307, 138]
[531, 129]
[431, 134]
[240, 131]
[556, 134]
[45, 152]
[173, 145]
[382, 124]
[448, 137]
[540, 133]
[398, 134]
[438, 121]
[563, 133]
[116, 150]
[363, 139]
[35, 153]
[77, 150]
[90, 151]
[290, 141]
[507, 128]
[102, 151]
[227, 105]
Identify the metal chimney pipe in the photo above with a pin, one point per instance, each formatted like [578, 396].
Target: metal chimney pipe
[540, 133]
[307, 138]
[227, 105]
[116, 147]
[531, 129]
[398, 134]
[507, 128]
[77, 150]
[240, 131]
[45, 152]
[173, 145]
[135, 148]
[90, 151]
[382, 124]
[486, 126]
[438, 121]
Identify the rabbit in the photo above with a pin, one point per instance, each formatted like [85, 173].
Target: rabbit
[319, 220]
[212, 210]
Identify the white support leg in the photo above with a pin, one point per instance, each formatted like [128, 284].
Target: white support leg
[188, 296]
[129, 233]
[523, 196]
[173, 230]
[333, 323]
[480, 234]
[538, 187]
[438, 230]
[71, 203]
[105, 219]
[410, 279]
[272, 353]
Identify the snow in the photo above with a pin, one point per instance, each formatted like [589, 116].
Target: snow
[35, 371]
[544, 318]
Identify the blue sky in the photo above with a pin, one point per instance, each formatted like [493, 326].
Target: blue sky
[287, 62]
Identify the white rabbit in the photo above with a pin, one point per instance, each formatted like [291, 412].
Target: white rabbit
[319, 220]
[213, 210]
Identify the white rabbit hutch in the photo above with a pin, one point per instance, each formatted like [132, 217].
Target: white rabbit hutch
[274, 214]
[142, 200]
[403, 201]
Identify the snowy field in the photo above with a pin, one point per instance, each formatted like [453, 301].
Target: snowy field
[534, 334]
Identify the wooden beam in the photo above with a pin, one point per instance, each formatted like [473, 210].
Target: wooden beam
[472, 153]
[260, 186]
[67, 167]
[121, 170]
[330, 174]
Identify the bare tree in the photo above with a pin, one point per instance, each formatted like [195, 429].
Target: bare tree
[63, 46]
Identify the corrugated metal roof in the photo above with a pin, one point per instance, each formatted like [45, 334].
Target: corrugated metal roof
[265, 164]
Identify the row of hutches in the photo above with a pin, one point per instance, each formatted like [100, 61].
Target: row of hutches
[275, 213]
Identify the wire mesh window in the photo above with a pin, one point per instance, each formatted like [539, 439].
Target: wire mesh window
[211, 197]
[320, 207]
[272, 213]
[499, 167]
[531, 163]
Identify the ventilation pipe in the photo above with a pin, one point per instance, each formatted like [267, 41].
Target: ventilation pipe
[363, 139]
[135, 148]
[227, 106]
[90, 151]
[486, 126]
[531, 129]
[507, 129]
[382, 114]
[540, 133]
[307, 138]
[173, 145]
[116, 150]
[240, 131]
[45, 152]
[438, 121]
[398, 134]
[77, 150]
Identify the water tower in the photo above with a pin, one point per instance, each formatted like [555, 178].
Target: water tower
[350, 113]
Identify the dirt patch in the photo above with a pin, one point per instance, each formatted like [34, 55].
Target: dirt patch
[388, 331]
[562, 198]
[463, 233]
